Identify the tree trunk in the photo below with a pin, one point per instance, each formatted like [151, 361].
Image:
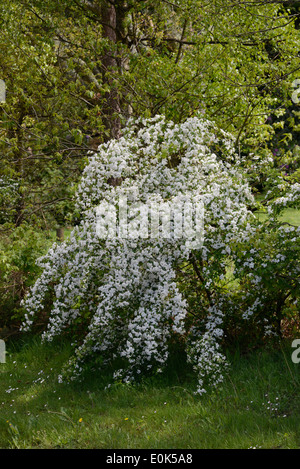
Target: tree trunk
[110, 65]
[18, 156]
[60, 234]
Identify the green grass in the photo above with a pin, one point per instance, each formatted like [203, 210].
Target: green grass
[290, 215]
[258, 405]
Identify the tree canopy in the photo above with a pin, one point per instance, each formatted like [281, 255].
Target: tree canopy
[75, 71]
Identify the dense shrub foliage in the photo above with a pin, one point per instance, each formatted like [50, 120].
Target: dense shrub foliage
[132, 297]
[19, 251]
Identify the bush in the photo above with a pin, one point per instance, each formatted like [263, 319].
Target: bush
[136, 296]
[267, 269]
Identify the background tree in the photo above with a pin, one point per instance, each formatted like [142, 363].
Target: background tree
[75, 71]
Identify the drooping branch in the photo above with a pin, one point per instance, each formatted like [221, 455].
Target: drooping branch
[200, 277]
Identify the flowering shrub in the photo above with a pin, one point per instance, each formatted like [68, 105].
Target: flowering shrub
[267, 268]
[133, 296]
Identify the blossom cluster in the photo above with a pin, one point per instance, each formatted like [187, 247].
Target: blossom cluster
[128, 293]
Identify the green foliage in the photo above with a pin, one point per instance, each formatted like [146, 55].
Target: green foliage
[266, 289]
[19, 251]
[235, 64]
[49, 110]
[266, 274]
[8, 199]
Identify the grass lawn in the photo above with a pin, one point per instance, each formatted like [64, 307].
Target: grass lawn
[290, 215]
[257, 407]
